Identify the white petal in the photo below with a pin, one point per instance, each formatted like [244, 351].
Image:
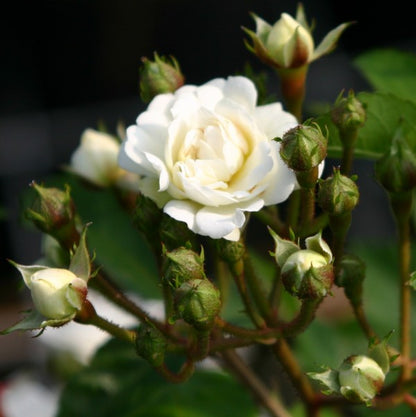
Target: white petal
[273, 120]
[218, 222]
[158, 111]
[183, 211]
[281, 181]
[257, 166]
[242, 91]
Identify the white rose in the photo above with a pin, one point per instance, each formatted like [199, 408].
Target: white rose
[207, 155]
[95, 159]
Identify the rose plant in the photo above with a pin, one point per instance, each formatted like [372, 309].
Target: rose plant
[178, 208]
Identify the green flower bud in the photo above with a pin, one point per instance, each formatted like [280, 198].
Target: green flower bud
[307, 274]
[160, 76]
[181, 265]
[360, 378]
[230, 251]
[151, 345]
[53, 212]
[350, 275]
[396, 169]
[198, 302]
[337, 194]
[348, 114]
[303, 148]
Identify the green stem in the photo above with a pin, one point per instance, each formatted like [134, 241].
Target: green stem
[237, 271]
[303, 319]
[401, 205]
[202, 345]
[256, 289]
[88, 315]
[261, 393]
[268, 216]
[348, 139]
[307, 206]
[300, 381]
[293, 209]
[292, 81]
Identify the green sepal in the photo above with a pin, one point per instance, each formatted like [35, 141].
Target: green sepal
[80, 262]
[329, 379]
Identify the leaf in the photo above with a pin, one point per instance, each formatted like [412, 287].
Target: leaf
[119, 383]
[33, 320]
[390, 70]
[384, 114]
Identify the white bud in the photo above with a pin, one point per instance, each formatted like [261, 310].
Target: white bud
[56, 293]
[96, 159]
[289, 43]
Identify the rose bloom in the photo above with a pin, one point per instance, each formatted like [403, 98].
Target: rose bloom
[207, 155]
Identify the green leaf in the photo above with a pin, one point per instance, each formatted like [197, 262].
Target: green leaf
[33, 320]
[384, 114]
[118, 247]
[119, 383]
[390, 70]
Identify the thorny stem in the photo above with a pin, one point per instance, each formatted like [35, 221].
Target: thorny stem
[270, 402]
[88, 315]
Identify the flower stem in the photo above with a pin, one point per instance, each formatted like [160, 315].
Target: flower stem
[292, 81]
[262, 394]
[182, 375]
[88, 315]
[285, 356]
[401, 205]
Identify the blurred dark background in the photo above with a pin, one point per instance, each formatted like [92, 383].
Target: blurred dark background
[67, 64]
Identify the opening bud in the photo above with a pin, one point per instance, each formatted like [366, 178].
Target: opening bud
[198, 302]
[151, 345]
[338, 194]
[58, 294]
[160, 76]
[308, 273]
[360, 378]
[181, 265]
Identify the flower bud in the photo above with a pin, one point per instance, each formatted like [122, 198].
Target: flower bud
[396, 169]
[151, 345]
[58, 294]
[198, 302]
[307, 275]
[283, 248]
[181, 265]
[96, 159]
[350, 274]
[348, 114]
[360, 378]
[159, 76]
[53, 212]
[338, 194]
[288, 43]
[303, 147]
